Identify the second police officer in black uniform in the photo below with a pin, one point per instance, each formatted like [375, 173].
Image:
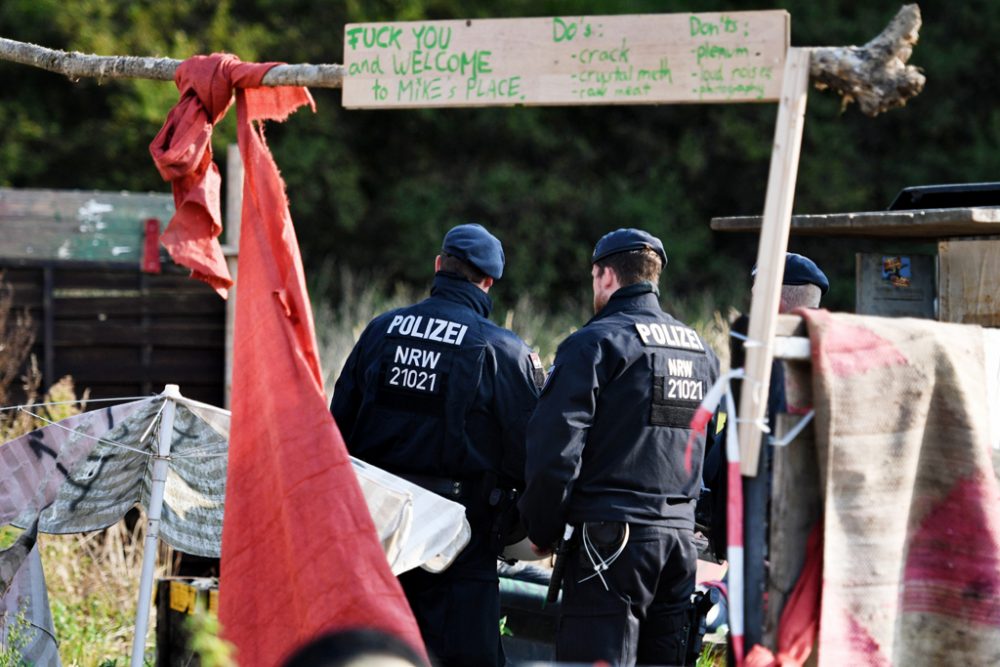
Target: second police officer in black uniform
[606, 454]
[438, 394]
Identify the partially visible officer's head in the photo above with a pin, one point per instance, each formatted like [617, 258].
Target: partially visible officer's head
[471, 251]
[802, 285]
[625, 257]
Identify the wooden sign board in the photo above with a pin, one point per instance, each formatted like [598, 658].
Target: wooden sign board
[568, 60]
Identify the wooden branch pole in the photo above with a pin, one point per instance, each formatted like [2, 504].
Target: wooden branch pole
[234, 216]
[770, 255]
[79, 65]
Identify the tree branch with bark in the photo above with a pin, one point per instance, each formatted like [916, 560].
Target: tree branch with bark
[76, 66]
[875, 75]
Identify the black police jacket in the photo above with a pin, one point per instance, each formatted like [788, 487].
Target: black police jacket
[436, 389]
[607, 440]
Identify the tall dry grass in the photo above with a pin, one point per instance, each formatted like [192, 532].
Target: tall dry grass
[356, 300]
[93, 582]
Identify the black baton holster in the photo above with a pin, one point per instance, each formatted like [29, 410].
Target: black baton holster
[563, 551]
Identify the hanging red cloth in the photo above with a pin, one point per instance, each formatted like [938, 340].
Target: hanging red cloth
[799, 624]
[299, 550]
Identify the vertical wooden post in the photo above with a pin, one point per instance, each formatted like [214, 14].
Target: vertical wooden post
[146, 336]
[234, 211]
[48, 325]
[771, 254]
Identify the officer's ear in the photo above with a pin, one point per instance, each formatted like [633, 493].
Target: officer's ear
[606, 278]
[486, 283]
[437, 263]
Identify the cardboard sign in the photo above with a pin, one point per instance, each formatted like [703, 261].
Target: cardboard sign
[568, 60]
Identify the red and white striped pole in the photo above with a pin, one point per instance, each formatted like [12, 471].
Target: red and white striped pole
[734, 503]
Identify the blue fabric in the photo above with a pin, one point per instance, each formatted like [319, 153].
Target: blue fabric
[476, 246]
[623, 240]
[800, 270]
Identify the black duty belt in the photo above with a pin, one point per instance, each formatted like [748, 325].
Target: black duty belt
[443, 486]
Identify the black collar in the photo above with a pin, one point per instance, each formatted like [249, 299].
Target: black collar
[457, 288]
[640, 296]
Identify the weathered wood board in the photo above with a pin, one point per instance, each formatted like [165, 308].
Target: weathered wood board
[928, 224]
[78, 225]
[567, 60]
[969, 286]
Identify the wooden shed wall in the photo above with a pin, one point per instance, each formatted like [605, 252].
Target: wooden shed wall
[120, 332]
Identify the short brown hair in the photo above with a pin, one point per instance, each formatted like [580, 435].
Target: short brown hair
[633, 266]
[453, 264]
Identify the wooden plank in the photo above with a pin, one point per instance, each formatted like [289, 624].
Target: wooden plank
[792, 348]
[919, 224]
[210, 334]
[770, 256]
[76, 279]
[796, 499]
[119, 333]
[969, 289]
[26, 295]
[790, 325]
[48, 323]
[627, 59]
[130, 305]
[122, 365]
[27, 263]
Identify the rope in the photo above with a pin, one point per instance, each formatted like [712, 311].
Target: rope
[198, 453]
[793, 433]
[599, 563]
[78, 401]
[87, 435]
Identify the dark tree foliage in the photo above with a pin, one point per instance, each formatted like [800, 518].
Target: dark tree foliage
[375, 190]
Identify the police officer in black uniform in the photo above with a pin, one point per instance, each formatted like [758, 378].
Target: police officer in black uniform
[606, 454]
[438, 394]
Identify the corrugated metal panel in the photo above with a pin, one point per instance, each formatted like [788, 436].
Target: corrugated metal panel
[78, 224]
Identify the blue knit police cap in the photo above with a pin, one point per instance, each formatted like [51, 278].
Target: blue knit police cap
[475, 245]
[623, 240]
[800, 270]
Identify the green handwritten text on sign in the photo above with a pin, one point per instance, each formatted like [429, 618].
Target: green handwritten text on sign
[562, 60]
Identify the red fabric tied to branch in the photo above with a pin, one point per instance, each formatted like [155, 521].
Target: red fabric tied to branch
[182, 152]
[300, 553]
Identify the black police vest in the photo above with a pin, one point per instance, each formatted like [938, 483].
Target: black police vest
[423, 369]
[607, 441]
